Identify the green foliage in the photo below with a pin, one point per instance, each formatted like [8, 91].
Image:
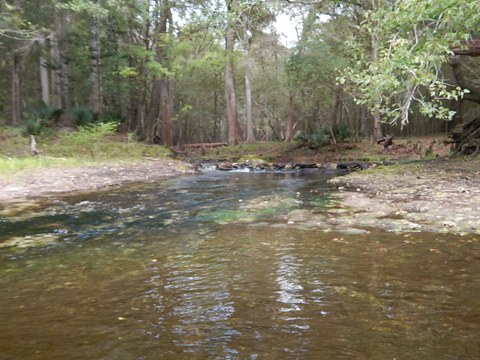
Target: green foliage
[314, 140]
[83, 116]
[33, 126]
[91, 134]
[40, 117]
[47, 113]
[97, 144]
[341, 132]
[401, 64]
[111, 117]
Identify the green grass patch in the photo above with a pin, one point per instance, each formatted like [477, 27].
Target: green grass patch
[88, 146]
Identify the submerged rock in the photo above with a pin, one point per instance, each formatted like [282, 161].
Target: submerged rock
[29, 241]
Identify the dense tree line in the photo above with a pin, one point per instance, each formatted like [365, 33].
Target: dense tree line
[180, 71]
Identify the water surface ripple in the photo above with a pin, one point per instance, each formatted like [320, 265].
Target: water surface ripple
[207, 267]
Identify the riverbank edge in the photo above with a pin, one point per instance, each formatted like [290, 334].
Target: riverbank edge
[32, 184]
[437, 196]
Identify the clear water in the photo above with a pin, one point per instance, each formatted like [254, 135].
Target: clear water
[185, 270]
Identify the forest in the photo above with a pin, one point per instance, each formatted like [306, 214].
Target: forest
[197, 71]
[239, 179]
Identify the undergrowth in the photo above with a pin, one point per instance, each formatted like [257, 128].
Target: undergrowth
[90, 145]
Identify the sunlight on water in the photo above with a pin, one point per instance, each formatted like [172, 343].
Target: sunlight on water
[152, 272]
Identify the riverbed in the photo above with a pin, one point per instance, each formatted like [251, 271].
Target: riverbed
[230, 266]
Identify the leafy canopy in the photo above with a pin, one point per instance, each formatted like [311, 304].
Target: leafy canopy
[413, 40]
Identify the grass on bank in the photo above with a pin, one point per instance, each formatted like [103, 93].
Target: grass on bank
[414, 148]
[99, 143]
[88, 146]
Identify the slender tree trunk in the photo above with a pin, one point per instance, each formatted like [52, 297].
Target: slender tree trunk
[153, 114]
[230, 91]
[95, 97]
[54, 78]
[43, 71]
[377, 121]
[337, 107]
[231, 100]
[167, 105]
[161, 99]
[290, 117]
[60, 59]
[248, 88]
[215, 114]
[16, 94]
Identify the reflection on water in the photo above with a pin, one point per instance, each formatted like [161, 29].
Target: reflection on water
[149, 273]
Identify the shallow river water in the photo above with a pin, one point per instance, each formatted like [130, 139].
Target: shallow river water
[209, 267]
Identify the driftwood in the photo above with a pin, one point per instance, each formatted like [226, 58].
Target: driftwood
[466, 137]
[387, 141]
[33, 146]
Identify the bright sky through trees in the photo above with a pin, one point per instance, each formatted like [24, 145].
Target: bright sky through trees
[288, 29]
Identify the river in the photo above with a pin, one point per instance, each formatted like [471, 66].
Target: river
[212, 267]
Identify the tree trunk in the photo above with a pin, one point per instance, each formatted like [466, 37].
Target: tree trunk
[377, 121]
[290, 118]
[167, 107]
[216, 117]
[230, 86]
[43, 71]
[377, 125]
[337, 107]
[60, 59]
[161, 99]
[153, 113]
[54, 78]
[95, 97]
[248, 88]
[16, 90]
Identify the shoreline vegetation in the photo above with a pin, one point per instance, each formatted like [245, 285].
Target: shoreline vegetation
[436, 194]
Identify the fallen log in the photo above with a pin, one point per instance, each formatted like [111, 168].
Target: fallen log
[387, 140]
[204, 145]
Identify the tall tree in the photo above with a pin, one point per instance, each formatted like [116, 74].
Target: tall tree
[95, 97]
[230, 96]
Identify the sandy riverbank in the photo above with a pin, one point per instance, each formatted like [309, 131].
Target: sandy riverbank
[34, 183]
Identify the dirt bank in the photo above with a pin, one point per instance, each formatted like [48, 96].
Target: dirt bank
[442, 195]
[42, 182]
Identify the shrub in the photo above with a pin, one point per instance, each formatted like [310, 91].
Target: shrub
[111, 116]
[90, 134]
[83, 116]
[315, 140]
[33, 126]
[48, 114]
[341, 132]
